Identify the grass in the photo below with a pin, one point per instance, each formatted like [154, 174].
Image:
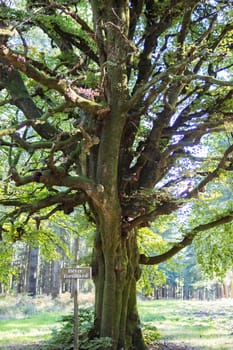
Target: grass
[204, 324]
[24, 320]
[27, 330]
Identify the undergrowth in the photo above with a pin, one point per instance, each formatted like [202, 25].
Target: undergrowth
[63, 338]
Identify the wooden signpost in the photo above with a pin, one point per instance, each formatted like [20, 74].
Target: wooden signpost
[76, 273]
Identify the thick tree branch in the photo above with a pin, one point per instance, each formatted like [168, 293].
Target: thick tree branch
[187, 240]
[209, 79]
[169, 75]
[72, 14]
[169, 207]
[31, 147]
[64, 201]
[157, 22]
[135, 11]
[13, 82]
[211, 175]
[77, 41]
[60, 85]
[58, 177]
[144, 220]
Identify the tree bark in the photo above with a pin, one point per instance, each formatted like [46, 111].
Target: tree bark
[46, 278]
[116, 271]
[32, 271]
[56, 269]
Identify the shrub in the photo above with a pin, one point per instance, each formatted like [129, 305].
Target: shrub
[63, 338]
[150, 333]
[96, 343]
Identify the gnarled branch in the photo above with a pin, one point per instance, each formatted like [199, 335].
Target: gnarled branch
[61, 85]
[186, 241]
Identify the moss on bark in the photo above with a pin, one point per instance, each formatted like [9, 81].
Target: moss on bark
[115, 274]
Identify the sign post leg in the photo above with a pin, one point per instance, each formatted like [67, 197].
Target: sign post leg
[76, 273]
[76, 285]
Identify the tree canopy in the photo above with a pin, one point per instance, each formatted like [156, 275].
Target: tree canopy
[123, 108]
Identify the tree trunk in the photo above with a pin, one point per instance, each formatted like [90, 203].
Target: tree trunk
[116, 271]
[231, 287]
[56, 270]
[21, 287]
[32, 271]
[225, 290]
[46, 278]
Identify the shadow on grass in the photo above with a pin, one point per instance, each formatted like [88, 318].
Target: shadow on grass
[203, 324]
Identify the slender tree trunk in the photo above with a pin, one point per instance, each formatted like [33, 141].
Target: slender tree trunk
[46, 278]
[32, 271]
[21, 287]
[225, 290]
[56, 269]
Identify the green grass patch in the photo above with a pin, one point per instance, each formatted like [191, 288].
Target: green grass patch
[205, 324]
[26, 320]
[27, 330]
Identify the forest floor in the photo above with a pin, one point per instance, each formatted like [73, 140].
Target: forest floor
[172, 346]
[159, 346]
[183, 325]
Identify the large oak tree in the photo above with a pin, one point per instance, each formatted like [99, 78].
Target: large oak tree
[104, 104]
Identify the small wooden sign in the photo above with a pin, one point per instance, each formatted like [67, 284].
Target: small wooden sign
[77, 273]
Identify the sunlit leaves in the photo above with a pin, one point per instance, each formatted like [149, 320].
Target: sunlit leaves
[215, 251]
[7, 270]
[54, 238]
[150, 243]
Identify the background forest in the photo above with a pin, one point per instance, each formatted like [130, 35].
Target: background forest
[37, 269]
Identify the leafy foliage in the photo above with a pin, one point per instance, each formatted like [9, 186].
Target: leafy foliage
[151, 276]
[151, 333]
[63, 338]
[214, 251]
[123, 109]
[6, 268]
